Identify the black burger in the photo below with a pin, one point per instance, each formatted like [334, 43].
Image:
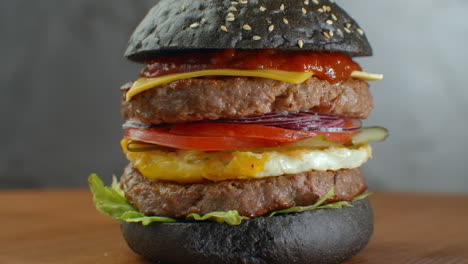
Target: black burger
[244, 134]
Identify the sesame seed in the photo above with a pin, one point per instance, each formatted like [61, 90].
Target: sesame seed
[329, 22]
[347, 30]
[360, 31]
[230, 17]
[306, 2]
[195, 25]
[247, 27]
[340, 32]
[300, 43]
[334, 17]
[316, 2]
[256, 37]
[332, 1]
[224, 28]
[271, 28]
[331, 33]
[269, 21]
[285, 20]
[244, 1]
[304, 11]
[262, 8]
[326, 35]
[182, 8]
[282, 7]
[348, 25]
[326, 8]
[320, 10]
[202, 20]
[234, 3]
[233, 8]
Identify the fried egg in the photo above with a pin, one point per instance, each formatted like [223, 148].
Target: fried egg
[191, 167]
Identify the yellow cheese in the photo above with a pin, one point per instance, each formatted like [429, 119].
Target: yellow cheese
[144, 84]
[366, 76]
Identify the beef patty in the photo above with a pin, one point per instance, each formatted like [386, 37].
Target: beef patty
[250, 198]
[231, 97]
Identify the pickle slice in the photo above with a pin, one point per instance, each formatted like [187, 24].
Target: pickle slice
[368, 134]
[317, 142]
[313, 142]
[137, 146]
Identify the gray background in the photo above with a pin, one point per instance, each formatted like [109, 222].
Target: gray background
[62, 66]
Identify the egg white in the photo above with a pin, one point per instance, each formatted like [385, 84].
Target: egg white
[280, 163]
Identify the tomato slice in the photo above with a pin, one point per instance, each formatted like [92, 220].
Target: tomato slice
[222, 137]
[162, 137]
[241, 130]
[255, 131]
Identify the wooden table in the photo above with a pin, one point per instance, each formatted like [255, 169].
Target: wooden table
[63, 227]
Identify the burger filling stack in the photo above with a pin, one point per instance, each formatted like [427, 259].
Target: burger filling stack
[245, 115]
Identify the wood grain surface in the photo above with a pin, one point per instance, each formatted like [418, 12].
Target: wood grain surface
[63, 227]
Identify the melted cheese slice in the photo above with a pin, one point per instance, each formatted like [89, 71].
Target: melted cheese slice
[367, 76]
[144, 84]
[176, 166]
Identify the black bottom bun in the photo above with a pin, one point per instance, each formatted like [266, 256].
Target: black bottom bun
[320, 236]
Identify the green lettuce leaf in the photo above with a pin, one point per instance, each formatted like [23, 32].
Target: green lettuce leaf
[300, 209]
[318, 204]
[137, 217]
[112, 202]
[362, 196]
[108, 200]
[230, 217]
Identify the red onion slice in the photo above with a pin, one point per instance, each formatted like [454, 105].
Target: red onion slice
[306, 121]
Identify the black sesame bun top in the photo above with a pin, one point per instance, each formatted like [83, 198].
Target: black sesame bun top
[313, 25]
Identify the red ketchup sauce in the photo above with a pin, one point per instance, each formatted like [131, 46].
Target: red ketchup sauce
[333, 67]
